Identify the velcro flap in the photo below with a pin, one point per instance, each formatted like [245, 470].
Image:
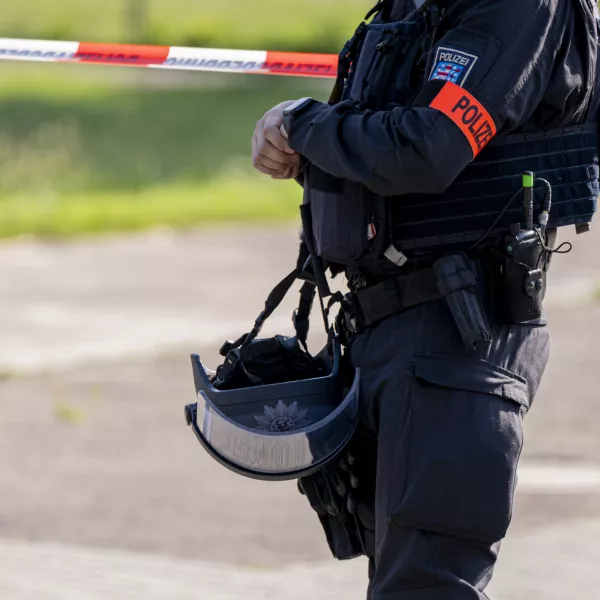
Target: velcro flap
[474, 375]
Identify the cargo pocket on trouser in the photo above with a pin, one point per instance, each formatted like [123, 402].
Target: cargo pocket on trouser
[459, 460]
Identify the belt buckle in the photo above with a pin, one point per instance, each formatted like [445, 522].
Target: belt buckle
[351, 325]
[357, 282]
[349, 319]
[307, 273]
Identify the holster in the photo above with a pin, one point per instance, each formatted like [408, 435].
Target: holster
[457, 282]
[519, 266]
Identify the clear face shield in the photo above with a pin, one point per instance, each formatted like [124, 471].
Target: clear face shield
[275, 432]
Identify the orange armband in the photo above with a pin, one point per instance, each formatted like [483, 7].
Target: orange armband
[465, 111]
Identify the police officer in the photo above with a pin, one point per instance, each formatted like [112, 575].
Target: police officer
[414, 176]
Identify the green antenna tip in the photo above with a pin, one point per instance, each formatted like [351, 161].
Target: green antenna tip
[528, 179]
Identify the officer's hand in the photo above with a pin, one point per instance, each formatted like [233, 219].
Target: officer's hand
[271, 153]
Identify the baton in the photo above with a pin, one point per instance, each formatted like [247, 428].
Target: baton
[259, 62]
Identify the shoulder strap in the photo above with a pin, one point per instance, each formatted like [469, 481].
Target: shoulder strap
[307, 294]
[588, 11]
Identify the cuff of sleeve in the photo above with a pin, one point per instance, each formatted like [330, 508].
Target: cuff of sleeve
[298, 126]
[300, 180]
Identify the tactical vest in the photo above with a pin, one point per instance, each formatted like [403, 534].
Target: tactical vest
[353, 226]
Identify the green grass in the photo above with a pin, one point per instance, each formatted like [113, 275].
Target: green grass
[90, 149]
[113, 137]
[242, 198]
[311, 25]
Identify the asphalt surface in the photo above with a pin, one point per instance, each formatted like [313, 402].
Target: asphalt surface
[105, 490]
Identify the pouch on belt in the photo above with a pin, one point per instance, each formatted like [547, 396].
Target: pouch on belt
[456, 277]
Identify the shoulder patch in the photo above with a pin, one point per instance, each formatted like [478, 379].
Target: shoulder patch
[452, 65]
[468, 114]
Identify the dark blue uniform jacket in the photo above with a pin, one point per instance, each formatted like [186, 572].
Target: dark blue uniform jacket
[529, 63]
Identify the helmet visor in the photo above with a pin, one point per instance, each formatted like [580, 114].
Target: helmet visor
[277, 437]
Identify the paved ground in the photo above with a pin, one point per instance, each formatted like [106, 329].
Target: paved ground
[65, 304]
[105, 491]
[56, 572]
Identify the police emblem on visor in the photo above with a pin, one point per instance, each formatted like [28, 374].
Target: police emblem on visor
[282, 418]
[452, 65]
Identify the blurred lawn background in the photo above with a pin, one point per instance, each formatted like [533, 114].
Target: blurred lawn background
[91, 148]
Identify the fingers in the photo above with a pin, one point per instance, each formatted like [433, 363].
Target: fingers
[352, 504]
[274, 173]
[271, 152]
[271, 167]
[270, 160]
[290, 172]
[276, 170]
[272, 133]
[337, 481]
[275, 160]
[330, 499]
[266, 148]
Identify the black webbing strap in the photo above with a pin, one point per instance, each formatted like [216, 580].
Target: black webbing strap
[395, 295]
[278, 293]
[345, 59]
[302, 313]
[382, 7]
[317, 262]
[274, 299]
[307, 294]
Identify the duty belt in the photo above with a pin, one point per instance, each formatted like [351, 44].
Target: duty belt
[454, 277]
[365, 307]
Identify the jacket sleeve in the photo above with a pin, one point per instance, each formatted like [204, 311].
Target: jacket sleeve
[423, 148]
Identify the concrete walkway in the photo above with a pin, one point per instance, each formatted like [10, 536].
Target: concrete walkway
[104, 493]
[64, 304]
[527, 571]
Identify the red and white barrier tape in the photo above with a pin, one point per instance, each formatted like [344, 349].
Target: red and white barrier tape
[172, 57]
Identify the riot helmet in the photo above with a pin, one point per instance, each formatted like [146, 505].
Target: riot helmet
[272, 411]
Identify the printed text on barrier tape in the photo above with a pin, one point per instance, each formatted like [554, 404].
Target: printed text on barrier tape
[165, 57]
